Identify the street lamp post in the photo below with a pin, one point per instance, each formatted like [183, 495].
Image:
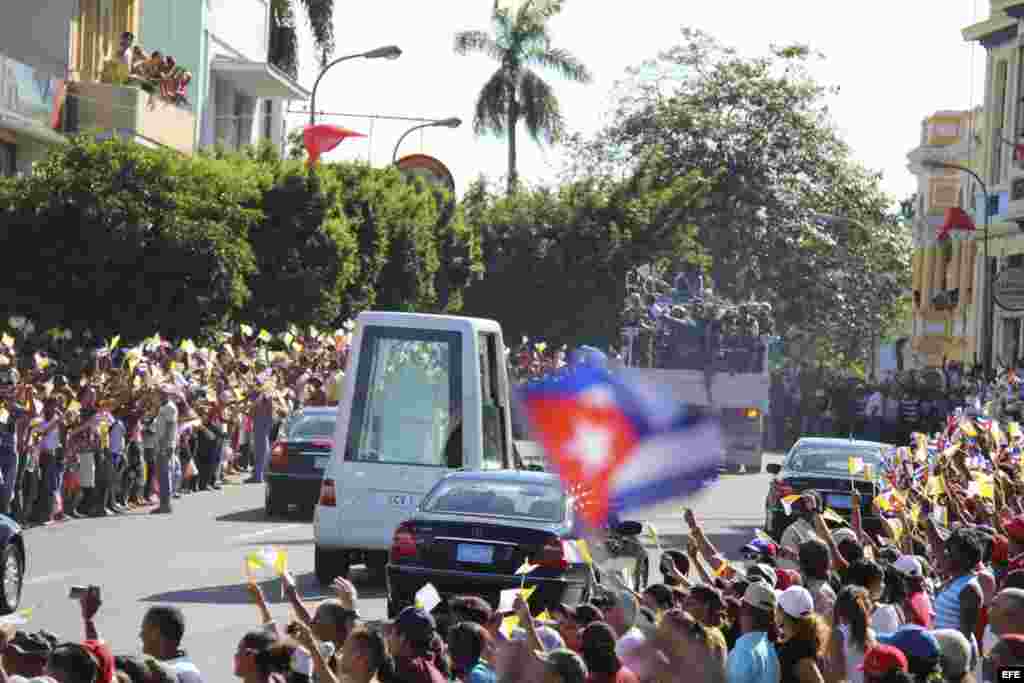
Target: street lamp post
[452, 122]
[990, 309]
[387, 52]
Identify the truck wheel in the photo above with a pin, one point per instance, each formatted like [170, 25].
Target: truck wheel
[329, 565]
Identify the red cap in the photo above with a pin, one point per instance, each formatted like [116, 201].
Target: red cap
[881, 659]
[1015, 528]
[784, 578]
[104, 657]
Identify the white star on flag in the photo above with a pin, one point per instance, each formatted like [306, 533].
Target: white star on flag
[592, 445]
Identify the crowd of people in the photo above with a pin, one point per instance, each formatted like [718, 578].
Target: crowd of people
[154, 72]
[142, 426]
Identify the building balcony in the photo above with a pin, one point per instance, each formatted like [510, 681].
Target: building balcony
[132, 113]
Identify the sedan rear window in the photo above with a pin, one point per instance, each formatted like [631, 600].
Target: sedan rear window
[817, 459]
[312, 427]
[498, 499]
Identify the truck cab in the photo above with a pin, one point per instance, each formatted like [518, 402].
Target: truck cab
[423, 396]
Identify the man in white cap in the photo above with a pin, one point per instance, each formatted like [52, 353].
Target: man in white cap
[796, 602]
[753, 659]
[909, 567]
[166, 442]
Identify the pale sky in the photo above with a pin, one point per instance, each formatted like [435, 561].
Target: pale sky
[896, 61]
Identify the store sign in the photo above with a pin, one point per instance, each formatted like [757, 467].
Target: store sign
[1008, 289]
[29, 93]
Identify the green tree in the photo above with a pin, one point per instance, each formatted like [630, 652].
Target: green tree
[556, 259]
[789, 217]
[515, 91]
[119, 239]
[284, 39]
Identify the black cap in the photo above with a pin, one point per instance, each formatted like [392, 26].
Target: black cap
[31, 643]
[415, 624]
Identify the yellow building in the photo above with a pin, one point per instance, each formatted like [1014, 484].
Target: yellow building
[1002, 169]
[943, 271]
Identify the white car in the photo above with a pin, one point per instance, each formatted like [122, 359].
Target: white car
[425, 395]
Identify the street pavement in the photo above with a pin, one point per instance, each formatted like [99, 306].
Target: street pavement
[194, 558]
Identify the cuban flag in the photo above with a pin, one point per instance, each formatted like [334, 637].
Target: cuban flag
[615, 446]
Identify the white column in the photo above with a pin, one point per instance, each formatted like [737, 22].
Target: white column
[209, 124]
[257, 121]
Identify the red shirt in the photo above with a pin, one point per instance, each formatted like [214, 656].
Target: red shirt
[921, 609]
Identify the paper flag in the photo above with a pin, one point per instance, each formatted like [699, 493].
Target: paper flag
[833, 516]
[760, 534]
[855, 465]
[246, 330]
[869, 472]
[526, 567]
[787, 503]
[188, 346]
[507, 598]
[267, 559]
[427, 598]
[653, 533]
[264, 336]
[114, 342]
[42, 362]
[545, 616]
[577, 552]
[508, 624]
[19, 618]
[724, 569]
[7, 340]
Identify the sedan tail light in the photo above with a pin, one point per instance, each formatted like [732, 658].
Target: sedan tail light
[403, 545]
[327, 496]
[552, 555]
[279, 456]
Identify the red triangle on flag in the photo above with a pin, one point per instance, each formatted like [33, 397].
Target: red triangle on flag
[324, 137]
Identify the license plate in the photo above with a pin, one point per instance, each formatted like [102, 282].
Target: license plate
[840, 500]
[320, 461]
[477, 554]
[401, 500]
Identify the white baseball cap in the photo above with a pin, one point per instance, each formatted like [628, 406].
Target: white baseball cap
[796, 601]
[908, 565]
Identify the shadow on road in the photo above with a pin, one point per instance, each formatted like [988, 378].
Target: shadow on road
[238, 593]
[272, 543]
[260, 515]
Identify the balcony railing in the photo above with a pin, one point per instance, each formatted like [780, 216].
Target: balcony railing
[128, 110]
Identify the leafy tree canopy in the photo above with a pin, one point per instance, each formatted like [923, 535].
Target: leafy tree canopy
[789, 217]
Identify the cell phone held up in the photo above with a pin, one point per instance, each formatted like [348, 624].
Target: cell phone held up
[78, 592]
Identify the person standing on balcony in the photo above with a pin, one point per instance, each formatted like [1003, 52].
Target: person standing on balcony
[125, 52]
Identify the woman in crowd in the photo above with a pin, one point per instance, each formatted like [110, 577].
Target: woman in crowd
[802, 637]
[262, 658]
[852, 635]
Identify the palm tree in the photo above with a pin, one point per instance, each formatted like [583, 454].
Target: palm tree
[515, 91]
[284, 41]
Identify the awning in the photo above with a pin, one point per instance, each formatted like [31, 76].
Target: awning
[30, 129]
[259, 79]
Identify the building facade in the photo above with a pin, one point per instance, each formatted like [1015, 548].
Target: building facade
[1002, 168]
[234, 96]
[34, 43]
[943, 280]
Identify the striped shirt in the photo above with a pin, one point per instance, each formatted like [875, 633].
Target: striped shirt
[947, 604]
[910, 410]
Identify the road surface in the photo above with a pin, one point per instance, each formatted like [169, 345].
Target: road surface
[194, 559]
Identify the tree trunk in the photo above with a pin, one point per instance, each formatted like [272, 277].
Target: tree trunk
[513, 119]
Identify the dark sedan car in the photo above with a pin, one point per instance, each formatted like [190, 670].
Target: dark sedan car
[475, 529]
[298, 460]
[822, 465]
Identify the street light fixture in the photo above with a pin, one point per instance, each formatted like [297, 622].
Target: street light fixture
[987, 332]
[386, 52]
[453, 122]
